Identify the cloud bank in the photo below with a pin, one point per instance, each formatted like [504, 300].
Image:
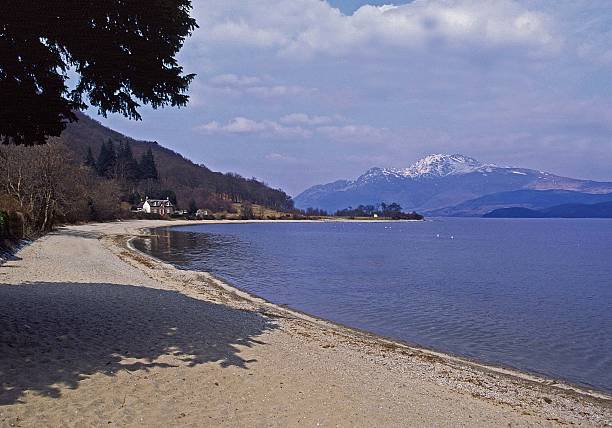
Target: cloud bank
[282, 83]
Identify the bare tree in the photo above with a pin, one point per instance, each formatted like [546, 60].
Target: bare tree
[43, 186]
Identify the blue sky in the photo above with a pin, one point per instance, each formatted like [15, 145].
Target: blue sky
[301, 92]
[349, 6]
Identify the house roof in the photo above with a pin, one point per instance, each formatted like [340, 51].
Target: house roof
[159, 203]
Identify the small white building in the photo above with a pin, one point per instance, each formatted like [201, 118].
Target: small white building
[202, 214]
[158, 206]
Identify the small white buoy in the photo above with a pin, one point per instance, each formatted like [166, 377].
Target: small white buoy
[437, 235]
[452, 237]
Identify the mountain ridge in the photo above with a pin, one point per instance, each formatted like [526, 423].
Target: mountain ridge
[599, 210]
[435, 165]
[527, 198]
[438, 181]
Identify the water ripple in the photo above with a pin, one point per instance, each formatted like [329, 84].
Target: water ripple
[530, 294]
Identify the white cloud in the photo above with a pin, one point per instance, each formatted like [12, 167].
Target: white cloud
[298, 125]
[279, 91]
[233, 80]
[243, 33]
[245, 126]
[303, 28]
[304, 119]
[280, 157]
[260, 87]
[356, 133]
[238, 125]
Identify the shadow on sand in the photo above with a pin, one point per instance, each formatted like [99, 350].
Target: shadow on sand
[57, 333]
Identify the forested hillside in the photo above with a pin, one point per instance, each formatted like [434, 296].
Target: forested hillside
[186, 179]
[93, 173]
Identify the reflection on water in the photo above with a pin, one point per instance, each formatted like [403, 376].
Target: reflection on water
[204, 246]
[531, 294]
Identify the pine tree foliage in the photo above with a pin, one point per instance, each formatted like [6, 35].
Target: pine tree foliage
[123, 53]
[107, 160]
[127, 167]
[148, 169]
[193, 207]
[117, 161]
[90, 161]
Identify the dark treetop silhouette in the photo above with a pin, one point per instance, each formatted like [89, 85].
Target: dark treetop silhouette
[122, 51]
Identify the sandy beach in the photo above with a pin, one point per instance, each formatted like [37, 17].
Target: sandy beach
[94, 333]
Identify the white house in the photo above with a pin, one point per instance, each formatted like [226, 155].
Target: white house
[158, 206]
[201, 213]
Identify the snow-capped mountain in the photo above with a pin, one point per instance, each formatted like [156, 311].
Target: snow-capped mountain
[436, 182]
[441, 166]
[445, 165]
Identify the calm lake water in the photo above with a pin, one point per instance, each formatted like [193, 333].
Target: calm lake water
[534, 294]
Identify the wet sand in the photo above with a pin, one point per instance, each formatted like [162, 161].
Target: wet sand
[94, 333]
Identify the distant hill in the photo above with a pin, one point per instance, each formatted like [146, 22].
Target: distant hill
[600, 210]
[514, 212]
[187, 179]
[437, 182]
[532, 199]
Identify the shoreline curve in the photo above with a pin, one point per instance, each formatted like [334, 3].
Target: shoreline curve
[96, 333]
[524, 375]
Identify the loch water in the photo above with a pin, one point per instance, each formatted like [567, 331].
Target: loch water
[532, 294]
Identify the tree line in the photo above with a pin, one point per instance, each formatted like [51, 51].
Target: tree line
[119, 162]
[40, 187]
[237, 189]
[392, 210]
[44, 185]
[136, 179]
[383, 210]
